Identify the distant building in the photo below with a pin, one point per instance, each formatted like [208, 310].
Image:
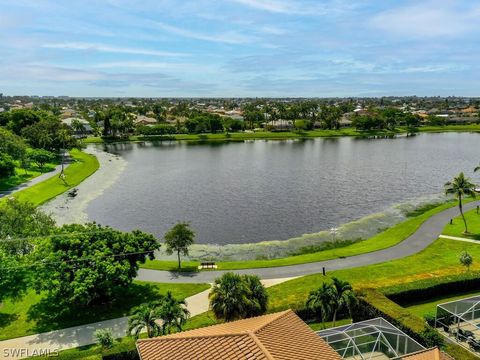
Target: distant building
[144, 120]
[86, 127]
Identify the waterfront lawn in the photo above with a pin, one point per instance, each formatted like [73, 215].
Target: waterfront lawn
[34, 314]
[439, 259]
[385, 239]
[83, 166]
[457, 228]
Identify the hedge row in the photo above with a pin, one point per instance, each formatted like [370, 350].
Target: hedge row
[373, 303]
[424, 290]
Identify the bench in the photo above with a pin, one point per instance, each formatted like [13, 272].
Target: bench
[207, 265]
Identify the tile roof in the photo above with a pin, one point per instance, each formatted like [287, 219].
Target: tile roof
[278, 336]
[429, 354]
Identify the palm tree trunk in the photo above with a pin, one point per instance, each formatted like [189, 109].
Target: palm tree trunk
[460, 207]
[334, 317]
[178, 254]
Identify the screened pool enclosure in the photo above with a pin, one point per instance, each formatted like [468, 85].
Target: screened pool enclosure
[371, 339]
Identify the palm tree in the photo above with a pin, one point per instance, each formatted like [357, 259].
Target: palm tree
[342, 296]
[228, 298]
[321, 300]
[257, 294]
[173, 313]
[476, 169]
[461, 187]
[144, 316]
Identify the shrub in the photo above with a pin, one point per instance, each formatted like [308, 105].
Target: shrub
[7, 165]
[104, 338]
[125, 355]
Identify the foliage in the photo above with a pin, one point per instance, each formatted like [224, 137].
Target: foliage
[14, 276]
[49, 134]
[461, 187]
[236, 297]
[466, 260]
[173, 313]
[83, 264]
[21, 221]
[159, 129]
[18, 119]
[40, 157]
[144, 316]
[321, 301]
[7, 165]
[104, 338]
[11, 144]
[178, 239]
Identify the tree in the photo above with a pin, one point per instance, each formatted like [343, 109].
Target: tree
[257, 294]
[477, 168]
[460, 187]
[85, 264]
[320, 300]
[7, 165]
[342, 297]
[466, 260]
[144, 316]
[236, 296]
[178, 239]
[12, 144]
[14, 276]
[104, 338]
[229, 297]
[40, 157]
[21, 223]
[173, 313]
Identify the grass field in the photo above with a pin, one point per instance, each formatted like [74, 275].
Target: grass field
[385, 239]
[457, 228]
[21, 176]
[439, 259]
[291, 134]
[83, 166]
[34, 314]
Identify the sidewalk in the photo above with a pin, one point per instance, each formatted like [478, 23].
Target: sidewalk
[77, 336]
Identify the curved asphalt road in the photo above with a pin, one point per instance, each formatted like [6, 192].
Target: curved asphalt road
[428, 232]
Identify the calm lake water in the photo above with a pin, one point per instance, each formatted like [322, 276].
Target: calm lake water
[241, 192]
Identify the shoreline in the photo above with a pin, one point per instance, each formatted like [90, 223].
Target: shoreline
[68, 210]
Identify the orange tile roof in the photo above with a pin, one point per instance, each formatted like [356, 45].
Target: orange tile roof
[278, 336]
[430, 354]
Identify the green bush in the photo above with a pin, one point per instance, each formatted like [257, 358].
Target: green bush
[126, 355]
[104, 338]
[430, 288]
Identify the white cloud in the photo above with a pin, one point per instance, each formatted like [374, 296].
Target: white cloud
[109, 49]
[226, 37]
[428, 19]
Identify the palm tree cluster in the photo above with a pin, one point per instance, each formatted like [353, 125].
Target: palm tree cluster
[236, 297]
[330, 298]
[158, 317]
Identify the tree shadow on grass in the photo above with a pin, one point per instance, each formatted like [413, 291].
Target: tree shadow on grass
[7, 319]
[51, 314]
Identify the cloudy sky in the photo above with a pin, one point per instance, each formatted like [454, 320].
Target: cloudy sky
[239, 47]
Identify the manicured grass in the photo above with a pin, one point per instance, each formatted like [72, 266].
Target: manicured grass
[429, 308]
[439, 259]
[35, 314]
[457, 228]
[385, 239]
[21, 177]
[187, 266]
[83, 166]
[238, 136]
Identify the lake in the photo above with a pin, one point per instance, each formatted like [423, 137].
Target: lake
[241, 192]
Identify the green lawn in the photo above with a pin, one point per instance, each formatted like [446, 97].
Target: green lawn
[83, 166]
[439, 259]
[457, 228]
[21, 176]
[385, 239]
[34, 314]
[239, 136]
[429, 308]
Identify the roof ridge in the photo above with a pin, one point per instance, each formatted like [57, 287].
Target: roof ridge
[260, 345]
[165, 338]
[280, 315]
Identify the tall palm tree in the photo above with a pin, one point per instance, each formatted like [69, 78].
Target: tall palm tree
[461, 187]
[144, 316]
[228, 298]
[343, 296]
[173, 313]
[321, 300]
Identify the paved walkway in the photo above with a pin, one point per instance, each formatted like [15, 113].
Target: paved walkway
[77, 336]
[428, 232]
[459, 239]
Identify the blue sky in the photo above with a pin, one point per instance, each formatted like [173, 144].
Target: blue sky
[239, 48]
